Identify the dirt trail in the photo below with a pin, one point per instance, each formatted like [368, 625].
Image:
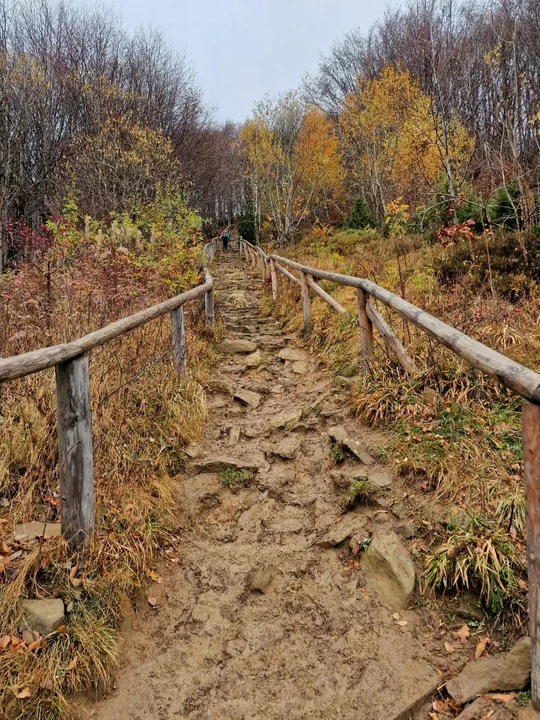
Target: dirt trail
[255, 619]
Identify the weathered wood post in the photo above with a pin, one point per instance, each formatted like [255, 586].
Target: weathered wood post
[263, 266]
[209, 304]
[305, 301]
[531, 466]
[273, 275]
[366, 326]
[178, 338]
[76, 461]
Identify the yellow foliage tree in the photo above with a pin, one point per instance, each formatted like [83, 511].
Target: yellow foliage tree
[393, 141]
[292, 162]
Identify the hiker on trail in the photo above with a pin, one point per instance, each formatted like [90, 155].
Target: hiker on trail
[225, 238]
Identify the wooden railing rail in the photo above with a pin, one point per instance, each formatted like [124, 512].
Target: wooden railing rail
[73, 397]
[511, 374]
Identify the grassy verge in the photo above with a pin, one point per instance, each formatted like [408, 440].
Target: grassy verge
[456, 435]
[144, 414]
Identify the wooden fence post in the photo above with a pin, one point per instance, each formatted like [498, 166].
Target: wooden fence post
[76, 462]
[305, 301]
[178, 338]
[366, 327]
[531, 466]
[209, 306]
[273, 275]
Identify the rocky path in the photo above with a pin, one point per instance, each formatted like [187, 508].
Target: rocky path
[270, 606]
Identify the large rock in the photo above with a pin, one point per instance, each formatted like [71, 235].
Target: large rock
[389, 570]
[288, 419]
[238, 346]
[291, 354]
[43, 616]
[341, 436]
[506, 671]
[247, 397]
[31, 530]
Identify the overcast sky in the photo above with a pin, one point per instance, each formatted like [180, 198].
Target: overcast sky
[243, 49]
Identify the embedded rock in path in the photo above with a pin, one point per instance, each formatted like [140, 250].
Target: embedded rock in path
[286, 448]
[506, 671]
[217, 463]
[234, 436]
[287, 419]
[31, 530]
[238, 346]
[292, 355]
[380, 477]
[389, 570]
[247, 397]
[349, 525]
[300, 367]
[221, 385]
[260, 579]
[193, 451]
[43, 616]
[341, 436]
[483, 708]
[253, 360]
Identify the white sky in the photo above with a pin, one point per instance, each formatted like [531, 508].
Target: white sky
[244, 49]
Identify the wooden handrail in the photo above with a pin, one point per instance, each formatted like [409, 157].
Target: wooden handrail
[31, 362]
[76, 463]
[511, 374]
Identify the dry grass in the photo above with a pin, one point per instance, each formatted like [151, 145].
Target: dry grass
[144, 414]
[456, 433]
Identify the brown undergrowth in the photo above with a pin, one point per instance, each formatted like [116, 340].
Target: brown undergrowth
[144, 414]
[456, 434]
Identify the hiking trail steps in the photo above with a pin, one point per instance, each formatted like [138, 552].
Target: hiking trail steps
[256, 618]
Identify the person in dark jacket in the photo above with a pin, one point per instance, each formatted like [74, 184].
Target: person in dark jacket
[225, 238]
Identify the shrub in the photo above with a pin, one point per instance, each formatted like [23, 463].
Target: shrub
[359, 217]
[511, 259]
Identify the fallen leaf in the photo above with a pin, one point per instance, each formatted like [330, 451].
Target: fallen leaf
[26, 693]
[74, 570]
[449, 648]
[72, 665]
[463, 633]
[152, 600]
[433, 716]
[62, 630]
[438, 705]
[481, 647]
[35, 645]
[4, 641]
